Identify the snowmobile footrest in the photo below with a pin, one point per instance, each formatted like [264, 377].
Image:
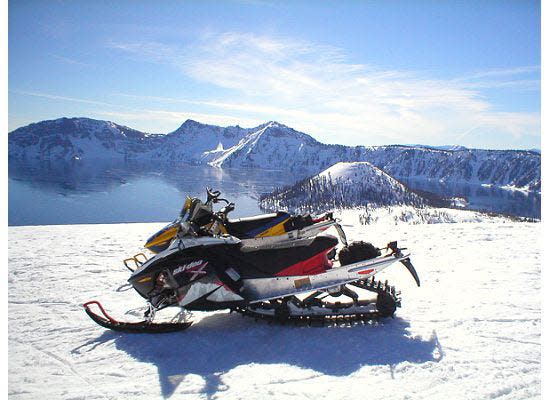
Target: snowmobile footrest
[108, 322]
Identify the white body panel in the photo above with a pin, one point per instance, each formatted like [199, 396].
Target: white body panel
[261, 289]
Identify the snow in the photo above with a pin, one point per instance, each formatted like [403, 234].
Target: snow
[523, 189]
[405, 214]
[459, 202]
[471, 331]
[352, 171]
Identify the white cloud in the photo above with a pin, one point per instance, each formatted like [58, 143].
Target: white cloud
[314, 88]
[153, 119]
[503, 72]
[62, 98]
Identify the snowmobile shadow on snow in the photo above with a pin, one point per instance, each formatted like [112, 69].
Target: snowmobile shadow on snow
[222, 342]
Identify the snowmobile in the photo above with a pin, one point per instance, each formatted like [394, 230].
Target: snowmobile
[297, 281]
[253, 231]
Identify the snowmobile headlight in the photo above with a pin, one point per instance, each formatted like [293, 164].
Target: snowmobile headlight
[161, 280]
[165, 280]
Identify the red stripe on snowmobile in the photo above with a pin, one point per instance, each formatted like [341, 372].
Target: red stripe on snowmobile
[317, 264]
[220, 283]
[366, 272]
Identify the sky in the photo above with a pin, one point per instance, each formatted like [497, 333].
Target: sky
[349, 72]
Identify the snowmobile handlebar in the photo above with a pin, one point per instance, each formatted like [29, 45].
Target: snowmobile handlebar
[212, 195]
[227, 209]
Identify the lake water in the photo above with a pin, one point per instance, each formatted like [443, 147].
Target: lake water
[81, 192]
[478, 197]
[102, 192]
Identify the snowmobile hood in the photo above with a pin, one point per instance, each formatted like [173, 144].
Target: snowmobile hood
[161, 240]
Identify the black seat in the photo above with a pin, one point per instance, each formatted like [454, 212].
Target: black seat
[268, 261]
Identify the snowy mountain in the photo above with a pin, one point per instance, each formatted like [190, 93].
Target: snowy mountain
[276, 146]
[198, 143]
[450, 147]
[345, 184]
[270, 146]
[71, 138]
[505, 168]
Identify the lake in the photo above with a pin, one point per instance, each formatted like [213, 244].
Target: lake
[83, 192]
[492, 199]
[109, 192]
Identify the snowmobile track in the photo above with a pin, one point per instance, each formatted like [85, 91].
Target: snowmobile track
[385, 308]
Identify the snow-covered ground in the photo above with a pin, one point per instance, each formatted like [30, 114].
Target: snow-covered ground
[404, 214]
[471, 331]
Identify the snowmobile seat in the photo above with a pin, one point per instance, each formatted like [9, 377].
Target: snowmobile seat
[306, 256]
[254, 226]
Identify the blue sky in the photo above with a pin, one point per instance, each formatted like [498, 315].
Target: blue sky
[350, 72]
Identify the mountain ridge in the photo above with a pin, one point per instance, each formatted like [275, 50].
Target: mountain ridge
[271, 145]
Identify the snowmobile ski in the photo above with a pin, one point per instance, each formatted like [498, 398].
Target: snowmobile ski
[146, 326]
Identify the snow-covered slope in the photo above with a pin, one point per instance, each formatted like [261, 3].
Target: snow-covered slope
[471, 331]
[411, 215]
[345, 184]
[198, 143]
[276, 146]
[67, 138]
[515, 168]
[270, 146]
[71, 138]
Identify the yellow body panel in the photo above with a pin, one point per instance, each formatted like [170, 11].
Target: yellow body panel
[163, 237]
[276, 230]
[169, 234]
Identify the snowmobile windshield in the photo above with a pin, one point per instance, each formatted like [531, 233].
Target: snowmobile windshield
[201, 215]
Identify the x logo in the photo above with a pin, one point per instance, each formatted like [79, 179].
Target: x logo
[196, 270]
